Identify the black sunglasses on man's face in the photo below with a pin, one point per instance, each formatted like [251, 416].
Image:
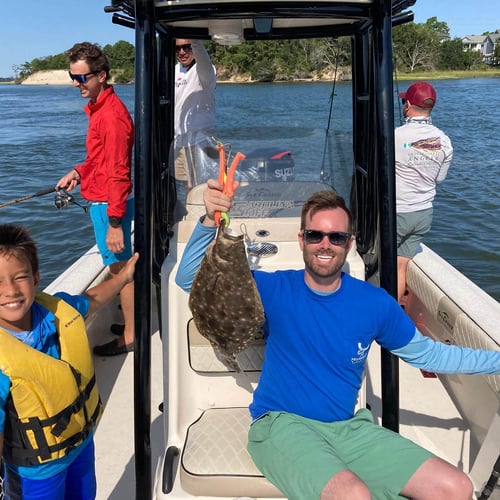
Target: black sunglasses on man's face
[186, 48]
[313, 236]
[82, 78]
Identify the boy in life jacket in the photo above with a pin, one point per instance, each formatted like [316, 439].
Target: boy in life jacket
[49, 401]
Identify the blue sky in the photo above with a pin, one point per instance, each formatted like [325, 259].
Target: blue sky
[34, 28]
[37, 28]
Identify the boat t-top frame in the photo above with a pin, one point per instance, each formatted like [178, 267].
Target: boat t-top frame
[157, 24]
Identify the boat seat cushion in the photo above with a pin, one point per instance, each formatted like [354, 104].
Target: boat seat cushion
[215, 461]
[204, 359]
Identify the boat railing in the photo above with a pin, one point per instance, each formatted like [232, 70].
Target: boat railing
[450, 308]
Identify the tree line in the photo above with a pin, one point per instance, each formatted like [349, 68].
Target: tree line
[121, 56]
[417, 47]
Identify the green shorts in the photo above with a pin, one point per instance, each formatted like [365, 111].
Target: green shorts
[299, 455]
[411, 228]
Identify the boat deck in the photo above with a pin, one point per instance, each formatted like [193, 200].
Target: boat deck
[114, 439]
[427, 414]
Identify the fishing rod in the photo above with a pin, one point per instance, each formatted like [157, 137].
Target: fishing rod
[61, 200]
[28, 197]
[401, 117]
[328, 177]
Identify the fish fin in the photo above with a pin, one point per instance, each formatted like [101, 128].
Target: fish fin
[230, 361]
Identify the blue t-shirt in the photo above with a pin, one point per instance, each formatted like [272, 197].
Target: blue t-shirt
[43, 337]
[316, 345]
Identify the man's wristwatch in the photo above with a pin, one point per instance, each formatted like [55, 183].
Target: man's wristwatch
[115, 221]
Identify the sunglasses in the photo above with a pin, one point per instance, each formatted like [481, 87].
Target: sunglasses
[403, 101]
[82, 78]
[335, 238]
[186, 47]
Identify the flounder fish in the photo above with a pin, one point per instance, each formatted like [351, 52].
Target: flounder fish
[224, 300]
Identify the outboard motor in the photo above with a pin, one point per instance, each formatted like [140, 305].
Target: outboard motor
[267, 164]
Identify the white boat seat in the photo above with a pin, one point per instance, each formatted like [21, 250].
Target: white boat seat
[204, 359]
[215, 461]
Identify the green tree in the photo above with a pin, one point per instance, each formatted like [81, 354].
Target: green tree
[495, 58]
[452, 55]
[473, 59]
[417, 45]
[23, 71]
[121, 55]
[57, 61]
[411, 47]
[440, 28]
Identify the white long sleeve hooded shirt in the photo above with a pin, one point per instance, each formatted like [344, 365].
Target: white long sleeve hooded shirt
[194, 96]
[423, 156]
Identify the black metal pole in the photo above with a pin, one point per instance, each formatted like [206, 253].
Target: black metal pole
[143, 156]
[384, 106]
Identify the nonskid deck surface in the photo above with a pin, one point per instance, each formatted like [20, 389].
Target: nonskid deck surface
[114, 439]
[427, 414]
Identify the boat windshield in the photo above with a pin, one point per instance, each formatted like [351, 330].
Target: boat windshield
[281, 168]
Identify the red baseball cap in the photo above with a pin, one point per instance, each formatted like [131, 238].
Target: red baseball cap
[421, 94]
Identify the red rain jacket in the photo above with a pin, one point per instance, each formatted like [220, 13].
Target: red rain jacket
[105, 175]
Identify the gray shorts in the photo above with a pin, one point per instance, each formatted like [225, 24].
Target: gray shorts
[411, 228]
[299, 455]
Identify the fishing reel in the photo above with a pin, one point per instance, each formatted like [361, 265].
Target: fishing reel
[64, 199]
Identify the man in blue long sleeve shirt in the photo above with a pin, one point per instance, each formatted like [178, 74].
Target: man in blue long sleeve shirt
[320, 324]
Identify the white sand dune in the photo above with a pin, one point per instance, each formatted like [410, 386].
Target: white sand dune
[50, 77]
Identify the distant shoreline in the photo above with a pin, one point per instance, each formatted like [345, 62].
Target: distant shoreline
[60, 77]
[50, 77]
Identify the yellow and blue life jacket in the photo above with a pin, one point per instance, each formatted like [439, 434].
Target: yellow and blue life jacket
[53, 404]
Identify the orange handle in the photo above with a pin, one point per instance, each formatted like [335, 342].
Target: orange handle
[226, 181]
[222, 164]
[222, 176]
[228, 186]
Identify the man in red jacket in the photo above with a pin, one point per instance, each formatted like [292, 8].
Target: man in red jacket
[105, 175]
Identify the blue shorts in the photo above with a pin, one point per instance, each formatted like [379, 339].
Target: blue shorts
[100, 221]
[77, 482]
[299, 455]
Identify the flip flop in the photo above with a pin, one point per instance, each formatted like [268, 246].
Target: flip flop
[117, 329]
[113, 348]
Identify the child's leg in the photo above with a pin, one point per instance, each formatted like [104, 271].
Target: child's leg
[20, 488]
[80, 476]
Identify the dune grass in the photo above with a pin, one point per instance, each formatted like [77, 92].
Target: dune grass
[444, 75]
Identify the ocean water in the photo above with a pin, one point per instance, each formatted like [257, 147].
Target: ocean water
[42, 136]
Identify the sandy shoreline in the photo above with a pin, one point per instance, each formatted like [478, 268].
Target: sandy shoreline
[52, 77]
[60, 77]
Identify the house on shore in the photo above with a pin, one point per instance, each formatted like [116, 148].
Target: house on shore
[485, 44]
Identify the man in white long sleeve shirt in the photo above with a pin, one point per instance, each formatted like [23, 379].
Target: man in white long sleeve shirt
[423, 156]
[194, 121]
